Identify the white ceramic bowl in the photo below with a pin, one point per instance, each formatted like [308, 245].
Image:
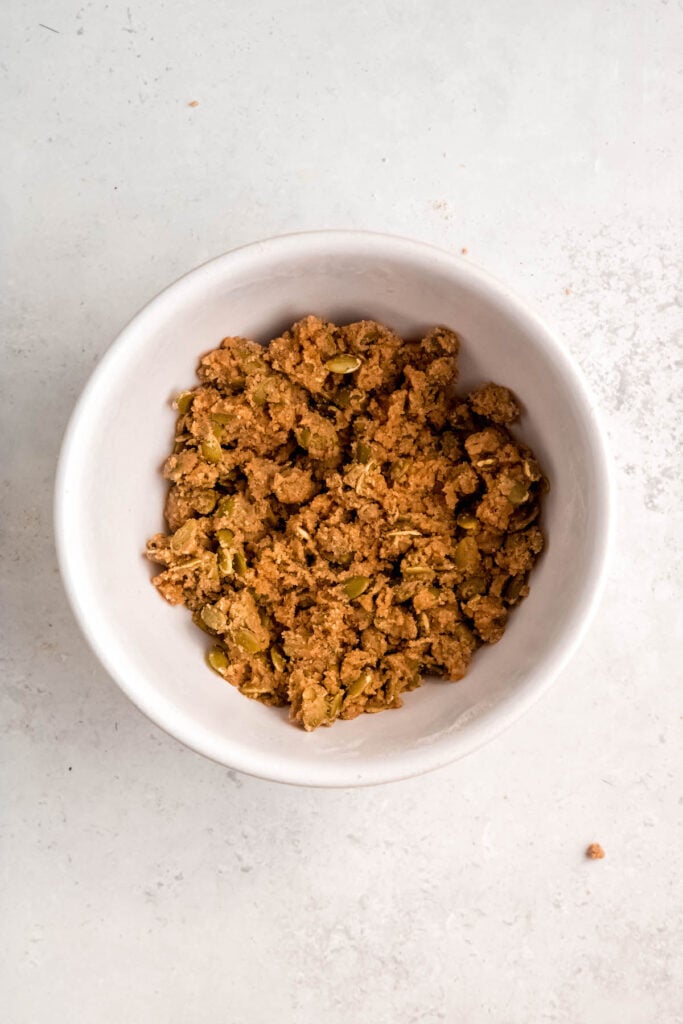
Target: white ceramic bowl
[109, 498]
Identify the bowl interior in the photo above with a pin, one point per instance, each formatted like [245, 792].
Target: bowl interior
[110, 496]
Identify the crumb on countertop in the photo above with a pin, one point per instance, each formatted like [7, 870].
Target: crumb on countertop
[595, 852]
[193, 103]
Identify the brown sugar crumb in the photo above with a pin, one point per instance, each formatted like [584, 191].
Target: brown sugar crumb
[494, 402]
[464, 251]
[567, 291]
[193, 103]
[339, 521]
[595, 852]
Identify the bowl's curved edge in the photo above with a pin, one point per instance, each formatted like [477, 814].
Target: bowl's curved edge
[418, 761]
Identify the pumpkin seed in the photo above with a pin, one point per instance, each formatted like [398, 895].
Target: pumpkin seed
[304, 438]
[226, 505]
[343, 363]
[518, 494]
[466, 554]
[465, 635]
[218, 660]
[334, 705]
[183, 567]
[356, 585]
[248, 641]
[278, 659]
[225, 561]
[474, 585]
[213, 617]
[183, 537]
[211, 449]
[199, 622]
[184, 401]
[399, 468]
[522, 518]
[363, 452]
[355, 688]
[514, 588]
[467, 521]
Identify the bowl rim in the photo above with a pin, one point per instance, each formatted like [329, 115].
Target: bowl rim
[421, 759]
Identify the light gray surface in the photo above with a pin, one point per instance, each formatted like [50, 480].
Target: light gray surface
[145, 884]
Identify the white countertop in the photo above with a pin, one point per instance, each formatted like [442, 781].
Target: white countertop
[145, 884]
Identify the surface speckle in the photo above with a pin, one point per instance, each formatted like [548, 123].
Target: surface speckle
[181, 890]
